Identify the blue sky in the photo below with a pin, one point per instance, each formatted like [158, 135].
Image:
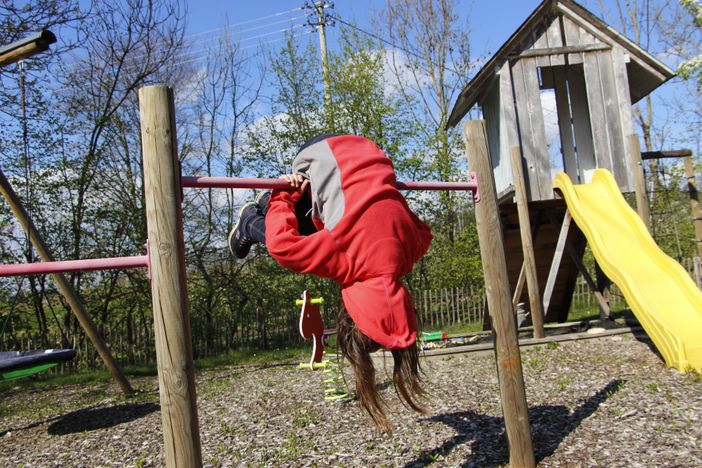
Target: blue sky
[492, 21]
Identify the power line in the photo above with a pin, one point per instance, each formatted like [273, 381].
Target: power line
[228, 27]
[188, 46]
[186, 55]
[244, 22]
[233, 33]
[199, 54]
[204, 57]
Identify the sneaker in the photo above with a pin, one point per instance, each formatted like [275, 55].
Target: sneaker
[239, 244]
[262, 200]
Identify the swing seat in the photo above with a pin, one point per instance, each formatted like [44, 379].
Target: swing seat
[19, 364]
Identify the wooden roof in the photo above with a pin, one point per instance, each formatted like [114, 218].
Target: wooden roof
[645, 72]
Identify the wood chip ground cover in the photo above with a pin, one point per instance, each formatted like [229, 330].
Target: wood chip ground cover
[600, 402]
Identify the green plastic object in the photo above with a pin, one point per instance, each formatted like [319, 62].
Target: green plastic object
[433, 336]
[22, 373]
[314, 300]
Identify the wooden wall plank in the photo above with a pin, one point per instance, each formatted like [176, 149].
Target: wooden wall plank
[617, 146]
[581, 123]
[508, 132]
[541, 42]
[493, 121]
[621, 86]
[598, 122]
[572, 38]
[531, 129]
[554, 39]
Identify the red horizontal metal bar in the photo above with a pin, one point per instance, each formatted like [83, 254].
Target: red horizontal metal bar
[233, 182]
[244, 182]
[67, 266]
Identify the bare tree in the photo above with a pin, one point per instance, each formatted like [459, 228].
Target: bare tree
[125, 44]
[641, 21]
[431, 62]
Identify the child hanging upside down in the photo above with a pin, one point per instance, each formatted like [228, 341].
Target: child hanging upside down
[361, 234]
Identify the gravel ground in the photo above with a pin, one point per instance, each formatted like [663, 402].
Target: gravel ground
[598, 402]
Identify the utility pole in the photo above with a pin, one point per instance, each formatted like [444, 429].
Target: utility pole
[319, 22]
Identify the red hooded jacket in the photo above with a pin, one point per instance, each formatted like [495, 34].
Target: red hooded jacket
[368, 238]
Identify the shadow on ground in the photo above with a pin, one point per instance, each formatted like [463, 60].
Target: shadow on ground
[92, 419]
[486, 434]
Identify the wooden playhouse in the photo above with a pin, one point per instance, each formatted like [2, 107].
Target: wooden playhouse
[559, 95]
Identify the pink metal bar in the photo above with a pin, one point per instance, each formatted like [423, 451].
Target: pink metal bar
[243, 182]
[66, 266]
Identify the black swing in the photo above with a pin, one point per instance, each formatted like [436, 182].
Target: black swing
[20, 364]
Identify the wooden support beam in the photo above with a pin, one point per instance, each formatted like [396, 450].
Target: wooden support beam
[67, 290]
[601, 300]
[556, 262]
[603, 284]
[164, 219]
[642, 207]
[25, 48]
[574, 49]
[519, 287]
[694, 203]
[683, 153]
[492, 252]
[535, 306]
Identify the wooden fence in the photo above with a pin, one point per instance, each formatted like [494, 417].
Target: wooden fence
[444, 307]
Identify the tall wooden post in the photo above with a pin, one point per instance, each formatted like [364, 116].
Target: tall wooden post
[537, 311]
[67, 290]
[694, 203]
[639, 180]
[164, 219]
[492, 251]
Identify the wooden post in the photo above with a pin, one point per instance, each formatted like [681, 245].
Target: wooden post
[603, 283]
[63, 284]
[164, 219]
[492, 251]
[537, 312]
[694, 203]
[639, 180]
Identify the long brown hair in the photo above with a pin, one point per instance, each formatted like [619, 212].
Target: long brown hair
[356, 348]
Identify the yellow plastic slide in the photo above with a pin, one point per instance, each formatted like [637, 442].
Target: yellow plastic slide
[659, 291]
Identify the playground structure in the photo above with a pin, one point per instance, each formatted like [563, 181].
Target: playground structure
[312, 328]
[564, 55]
[511, 116]
[165, 260]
